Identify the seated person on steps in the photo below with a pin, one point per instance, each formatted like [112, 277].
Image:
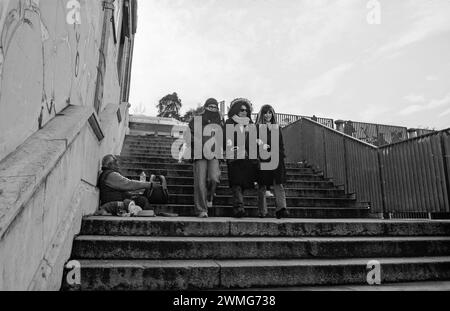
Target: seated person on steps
[115, 196]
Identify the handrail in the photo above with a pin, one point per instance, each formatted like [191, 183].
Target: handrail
[415, 138]
[335, 131]
[280, 117]
[379, 124]
[367, 144]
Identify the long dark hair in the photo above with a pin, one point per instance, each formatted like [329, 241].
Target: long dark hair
[263, 111]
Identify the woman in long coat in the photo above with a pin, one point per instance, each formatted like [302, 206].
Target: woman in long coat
[206, 169]
[271, 178]
[242, 172]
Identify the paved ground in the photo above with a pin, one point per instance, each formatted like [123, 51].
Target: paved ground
[416, 286]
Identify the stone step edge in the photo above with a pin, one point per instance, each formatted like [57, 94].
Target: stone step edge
[249, 197]
[109, 263]
[257, 227]
[220, 274]
[384, 287]
[269, 207]
[136, 177]
[228, 220]
[144, 239]
[131, 159]
[222, 187]
[224, 172]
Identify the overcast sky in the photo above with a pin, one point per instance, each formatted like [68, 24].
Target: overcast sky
[307, 57]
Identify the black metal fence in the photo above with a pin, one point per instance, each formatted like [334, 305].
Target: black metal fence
[408, 177]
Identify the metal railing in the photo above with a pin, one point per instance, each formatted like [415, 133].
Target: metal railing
[286, 119]
[407, 177]
[415, 174]
[375, 134]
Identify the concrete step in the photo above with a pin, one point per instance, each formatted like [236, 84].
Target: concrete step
[223, 227]
[149, 147]
[384, 287]
[152, 143]
[189, 173]
[233, 274]
[187, 248]
[146, 150]
[144, 147]
[159, 164]
[152, 146]
[253, 201]
[166, 153]
[291, 183]
[156, 153]
[148, 141]
[139, 138]
[144, 139]
[158, 158]
[188, 210]
[290, 192]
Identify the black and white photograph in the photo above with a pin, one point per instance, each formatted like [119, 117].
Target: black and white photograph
[221, 154]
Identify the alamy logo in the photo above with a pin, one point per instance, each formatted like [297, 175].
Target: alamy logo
[73, 277]
[374, 272]
[374, 15]
[237, 143]
[74, 12]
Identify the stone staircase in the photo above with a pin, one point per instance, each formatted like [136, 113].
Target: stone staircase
[309, 194]
[329, 241]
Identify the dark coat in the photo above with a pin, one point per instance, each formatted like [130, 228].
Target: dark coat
[243, 172]
[277, 176]
[108, 194]
[205, 122]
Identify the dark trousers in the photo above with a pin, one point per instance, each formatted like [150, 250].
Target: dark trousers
[238, 197]
[280, 198]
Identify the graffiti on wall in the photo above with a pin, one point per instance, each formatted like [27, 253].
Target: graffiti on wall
[15, 15]
[22, 14]
[48, 57]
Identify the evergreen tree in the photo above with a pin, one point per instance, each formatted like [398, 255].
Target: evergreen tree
[169, 107]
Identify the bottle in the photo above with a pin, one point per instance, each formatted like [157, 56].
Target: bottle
[143, 177]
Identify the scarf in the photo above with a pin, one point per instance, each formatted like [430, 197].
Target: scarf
[271, 126]
[241, 120]
[212, 117]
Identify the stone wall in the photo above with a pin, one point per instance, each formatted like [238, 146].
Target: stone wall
[52, 138]
[47, 185]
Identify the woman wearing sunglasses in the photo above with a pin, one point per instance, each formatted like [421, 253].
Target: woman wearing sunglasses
[242, 171]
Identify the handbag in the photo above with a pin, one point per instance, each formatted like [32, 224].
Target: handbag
[158, 193]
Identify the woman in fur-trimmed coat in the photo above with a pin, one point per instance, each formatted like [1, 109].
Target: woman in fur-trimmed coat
[242, 173]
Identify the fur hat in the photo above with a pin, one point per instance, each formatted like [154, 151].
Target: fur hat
[236, 104]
